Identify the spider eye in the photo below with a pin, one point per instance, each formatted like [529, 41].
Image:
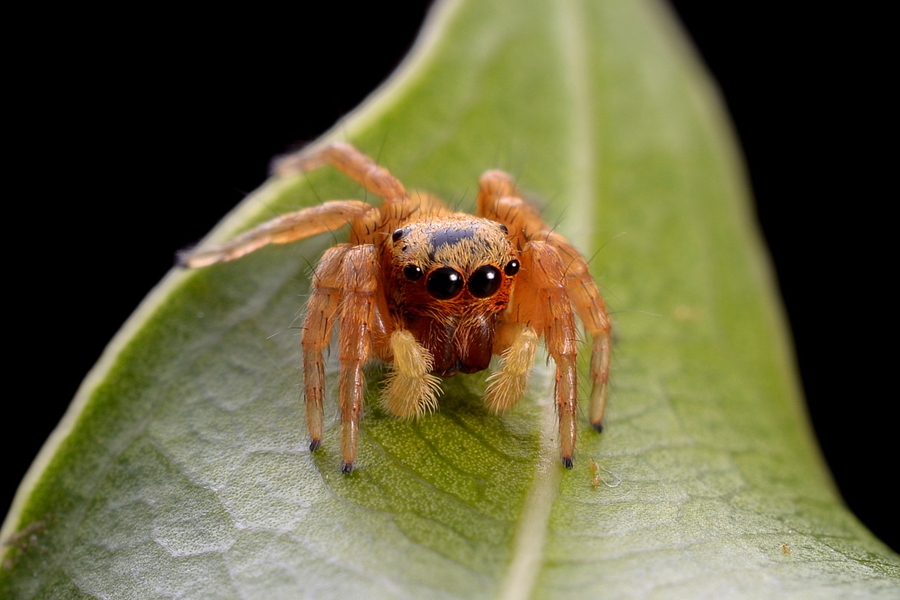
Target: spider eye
[412, 272]
[398, 233]
[511, 268]
[485, 281]
[444, 283]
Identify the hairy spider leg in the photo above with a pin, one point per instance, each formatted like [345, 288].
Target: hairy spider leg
[285, 229]
[321, 312]
[358, 283]
[541, 301]
[359, 167]
[591, 309]
[500, 200]
[344, 289]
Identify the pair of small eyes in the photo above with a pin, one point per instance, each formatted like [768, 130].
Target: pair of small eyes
[446, 283]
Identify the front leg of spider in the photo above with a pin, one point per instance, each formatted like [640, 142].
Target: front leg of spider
[359, 286]
[541, 308]
[499, 200]
[321, 312]
[344, 291]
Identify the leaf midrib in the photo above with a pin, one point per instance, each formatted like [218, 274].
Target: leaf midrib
[533, 527]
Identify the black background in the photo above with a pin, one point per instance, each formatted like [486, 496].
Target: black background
[116, 128]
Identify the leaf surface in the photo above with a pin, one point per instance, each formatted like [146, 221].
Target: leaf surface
[181, 469]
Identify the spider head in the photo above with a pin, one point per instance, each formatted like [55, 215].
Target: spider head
[447, 278]
[447, 267]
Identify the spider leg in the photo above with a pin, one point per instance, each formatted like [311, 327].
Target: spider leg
[358, 280]
[288, 228]
[344, 287]
[321, 312]
[591, 309]
[541, 301]
[359, 167]
[498, 199]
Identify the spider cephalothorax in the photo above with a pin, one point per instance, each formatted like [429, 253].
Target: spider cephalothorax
[435, 293]
[448, 279]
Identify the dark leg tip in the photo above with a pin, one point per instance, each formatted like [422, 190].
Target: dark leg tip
[568, 462]
[598, 427]
[346, 468]
[314, 445]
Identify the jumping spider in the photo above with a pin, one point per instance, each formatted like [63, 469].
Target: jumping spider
[433, 293]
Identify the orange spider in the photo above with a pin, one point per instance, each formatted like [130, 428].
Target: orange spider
[434, 293]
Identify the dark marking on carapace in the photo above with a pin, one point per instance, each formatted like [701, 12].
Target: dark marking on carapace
[451, 236]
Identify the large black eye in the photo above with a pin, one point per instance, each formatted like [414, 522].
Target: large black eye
[444, 283]
[511, 268]
[412, 272]
[485, 281]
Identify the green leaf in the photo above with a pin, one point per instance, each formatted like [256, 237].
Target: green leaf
[181, 468]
